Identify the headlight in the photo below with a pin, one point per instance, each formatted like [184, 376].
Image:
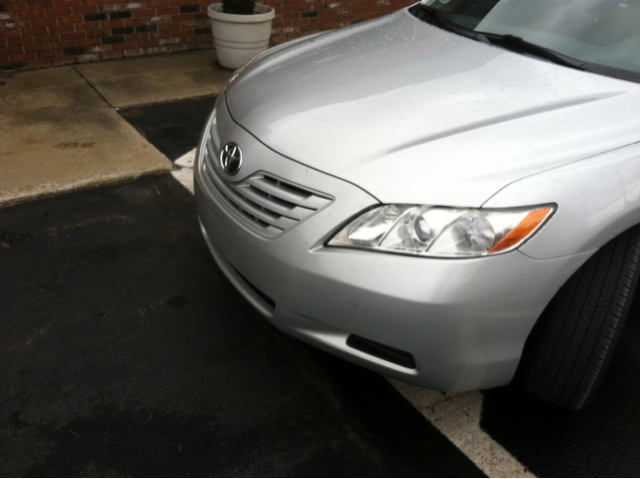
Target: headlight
[442, 232]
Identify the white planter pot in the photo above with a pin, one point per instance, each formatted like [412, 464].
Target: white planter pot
[239, 38]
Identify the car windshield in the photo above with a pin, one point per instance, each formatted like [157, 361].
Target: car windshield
[597, 32]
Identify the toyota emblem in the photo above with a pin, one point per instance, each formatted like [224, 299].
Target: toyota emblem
[231, 159]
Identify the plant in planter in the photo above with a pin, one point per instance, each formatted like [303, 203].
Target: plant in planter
[238, 7]
[241, 30]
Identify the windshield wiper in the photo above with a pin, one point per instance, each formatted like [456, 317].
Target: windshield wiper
[442, 21]
[520, 45]
[510, 42]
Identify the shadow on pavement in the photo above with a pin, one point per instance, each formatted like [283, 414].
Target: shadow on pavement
[125, 352]
[601, 440]
[173, 127]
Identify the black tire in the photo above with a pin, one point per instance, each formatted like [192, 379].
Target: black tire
[570, 347]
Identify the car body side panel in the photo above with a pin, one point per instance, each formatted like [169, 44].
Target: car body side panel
[598, 199]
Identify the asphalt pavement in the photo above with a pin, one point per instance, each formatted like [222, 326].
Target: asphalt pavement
[126, 352]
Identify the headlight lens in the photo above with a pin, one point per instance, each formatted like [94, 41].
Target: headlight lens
[442, 232]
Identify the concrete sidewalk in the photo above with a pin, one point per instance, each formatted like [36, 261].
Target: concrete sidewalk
[60, 129]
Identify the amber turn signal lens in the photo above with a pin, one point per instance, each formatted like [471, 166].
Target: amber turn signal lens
[524, 229]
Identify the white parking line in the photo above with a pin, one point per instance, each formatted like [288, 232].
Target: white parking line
[457, 416]
[185, 172]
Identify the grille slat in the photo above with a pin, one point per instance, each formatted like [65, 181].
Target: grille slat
[267, 204]
[311, 202]
[295, 213]
[264, 214]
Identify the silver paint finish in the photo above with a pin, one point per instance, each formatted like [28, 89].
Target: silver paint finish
[397, 111]
[385, 102]
[599, 198]
[464, 321]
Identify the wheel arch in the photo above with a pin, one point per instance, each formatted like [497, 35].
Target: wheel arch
[570, 346]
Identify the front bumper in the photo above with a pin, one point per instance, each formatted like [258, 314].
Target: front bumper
[464, 321]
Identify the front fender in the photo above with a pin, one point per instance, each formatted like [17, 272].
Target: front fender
[598, 198]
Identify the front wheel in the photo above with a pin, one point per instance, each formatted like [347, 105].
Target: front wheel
[569, 349]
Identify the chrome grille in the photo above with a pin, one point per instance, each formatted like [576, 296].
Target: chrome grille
[267, 204]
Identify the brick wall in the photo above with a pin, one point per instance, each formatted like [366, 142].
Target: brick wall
[43, 33]
[296, 18]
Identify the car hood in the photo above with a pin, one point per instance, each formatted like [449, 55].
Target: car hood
[415, 114]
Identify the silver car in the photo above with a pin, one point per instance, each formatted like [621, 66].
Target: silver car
[448, 195]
